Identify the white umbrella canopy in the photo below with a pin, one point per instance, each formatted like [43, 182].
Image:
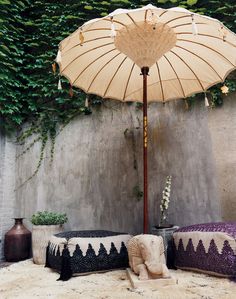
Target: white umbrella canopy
[183, 53]
[187, 53]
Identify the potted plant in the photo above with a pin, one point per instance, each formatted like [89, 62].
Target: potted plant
[45, 224]
[165, 229]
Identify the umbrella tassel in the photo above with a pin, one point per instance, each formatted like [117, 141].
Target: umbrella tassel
[206, 101]
[54, 68]
[194, 26]
[58, 58]
[71, 92]
[59, 87]
[113, 29]
[81, 38]
[223, 33]
[86, 104]
[186, 105]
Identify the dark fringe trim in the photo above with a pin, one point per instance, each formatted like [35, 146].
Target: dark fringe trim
[66, 271]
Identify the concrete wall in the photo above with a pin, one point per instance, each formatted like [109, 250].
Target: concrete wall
[96, 167]
[222, 125]
[7, 187]
[98, 164]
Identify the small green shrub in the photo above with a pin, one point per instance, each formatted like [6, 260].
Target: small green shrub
[48, 218]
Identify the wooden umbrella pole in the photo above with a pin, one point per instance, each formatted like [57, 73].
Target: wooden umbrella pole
[145, 71]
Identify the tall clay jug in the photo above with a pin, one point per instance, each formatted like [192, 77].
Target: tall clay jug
[17, 245]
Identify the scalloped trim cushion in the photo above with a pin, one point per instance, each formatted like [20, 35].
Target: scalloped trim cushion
[208, 247]
[87, 251]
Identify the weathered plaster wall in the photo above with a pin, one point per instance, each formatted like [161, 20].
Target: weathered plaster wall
[222, 125]
[7, 186]
[96, 167]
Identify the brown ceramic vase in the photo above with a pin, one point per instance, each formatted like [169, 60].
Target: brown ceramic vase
[17, 245]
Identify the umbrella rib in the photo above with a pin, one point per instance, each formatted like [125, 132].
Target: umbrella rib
[102, 69]
[208, 35]
[84, 54]
[85, 42]
[189, 41]
[163, 13]
[132, 20]
[162, 92]
[190, 23]
[128, 81]
[114, 75]
[115, 21]
[145, 15]
[182, 17]
[92, 63]
[189, 68]
[176, 75]
[201, 59]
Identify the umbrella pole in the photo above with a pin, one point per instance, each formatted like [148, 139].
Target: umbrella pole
[145, 71]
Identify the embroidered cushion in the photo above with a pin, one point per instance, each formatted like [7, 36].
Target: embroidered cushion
[87, 251]
[209, 247]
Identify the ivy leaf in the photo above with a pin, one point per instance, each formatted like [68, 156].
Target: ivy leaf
[191, 2]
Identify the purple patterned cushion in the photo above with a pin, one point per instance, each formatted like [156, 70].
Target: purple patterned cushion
[207, 247]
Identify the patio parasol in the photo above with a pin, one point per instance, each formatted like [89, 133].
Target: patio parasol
[182, 52]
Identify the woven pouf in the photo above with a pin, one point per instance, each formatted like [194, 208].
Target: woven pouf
[209, 248]
[86, 251]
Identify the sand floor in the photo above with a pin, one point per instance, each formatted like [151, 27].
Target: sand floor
[26, 280]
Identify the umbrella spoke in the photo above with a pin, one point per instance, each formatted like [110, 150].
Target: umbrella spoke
[161, 14]
[114, 75]
[102, 69]
[162, 91]
[200, 59]
[181, 86]
[88, 41]
[115, 21]
[207, 35]
[128, 81]
[90, 50]
[204, 45]
[132, 20]
[178, 18]
[92, 63]
[200, 83]
[190, 23]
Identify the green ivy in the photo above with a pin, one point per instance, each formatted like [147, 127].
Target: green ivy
[30, 32]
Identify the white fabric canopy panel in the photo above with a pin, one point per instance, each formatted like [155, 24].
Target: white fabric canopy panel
[187, 54]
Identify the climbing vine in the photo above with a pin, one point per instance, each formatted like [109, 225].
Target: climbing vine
[30, 32]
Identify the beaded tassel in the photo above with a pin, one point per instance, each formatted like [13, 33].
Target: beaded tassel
[59, 87]
[113, 30]
[206, 101]
[86, 104]
[194, 26]
[58, 58]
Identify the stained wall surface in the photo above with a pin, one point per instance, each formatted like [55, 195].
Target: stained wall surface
[97, 169]
[7, 187]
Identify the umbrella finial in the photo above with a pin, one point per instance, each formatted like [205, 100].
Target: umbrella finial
[194, 26]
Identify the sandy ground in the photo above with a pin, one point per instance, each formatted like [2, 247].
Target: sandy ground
[26, 280]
